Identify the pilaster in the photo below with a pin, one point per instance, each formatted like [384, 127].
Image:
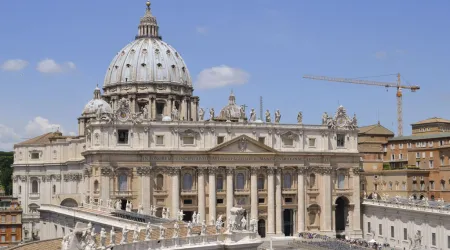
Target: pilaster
[201, 193]
[230, 190]
[270, 201]
[254, 192]
[212, 193]
[146, 187]
[278, 203]
[175, 175]
[301, 199]
[106, 173]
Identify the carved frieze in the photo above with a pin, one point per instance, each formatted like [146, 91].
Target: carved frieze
[356, 170]
[202, 170]
[23, 178]
[15, 178]
[87, 172]
[321, 170]
[106, 171]
[213, 170]
[144, 171]
[189, 132]
[302, 170]
[72, 177]
[254, 170]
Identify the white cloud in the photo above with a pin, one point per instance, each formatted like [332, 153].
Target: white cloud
[14, 65]
[201, 30]
[381, 55]
[50, 66]
[8, 137]
[221, 76]
[39, 126]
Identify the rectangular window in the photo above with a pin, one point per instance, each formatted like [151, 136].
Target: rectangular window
[187, 202]
[392, 146]
[288, 142]
[433, 239]
[431, 164]
[369, 229]
[220, 139]
[34, 156]
[340, 140]
[417, 155]
[380, 229]
[409, 145]
[430, 144]
[442, 160]
[392, 157]
[400, 146]
[122, 136]
[312, 142]
[341, 181]
[2, 229]
[432, 185]
[448, 241]
[431, 154]
[423, 155]
[287, 200]
[400, 156]
[441, 143]
[261, 200]
[160, 140]
[3, 238]
[13, 230]
[219, 201]
[13, 219]
[188, 140]
[13, 238]
[262, 140]
[392, 232]
[405, 234]
[3, 218]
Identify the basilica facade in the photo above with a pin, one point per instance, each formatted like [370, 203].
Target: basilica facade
[147, 141]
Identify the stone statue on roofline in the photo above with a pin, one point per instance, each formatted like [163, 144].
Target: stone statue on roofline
[277, 116]
[268, 119]
[252, 115]
[201, 114]
[300, 118]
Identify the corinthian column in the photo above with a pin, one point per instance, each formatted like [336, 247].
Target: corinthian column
[230, 188]
[175, 173]
[144, 173]
[270, 202]
[212, 193]
[326, 216]
[278, 203]
[356, 200]
[106, 173]
[201, 193]
[301, 199]
[254, 193]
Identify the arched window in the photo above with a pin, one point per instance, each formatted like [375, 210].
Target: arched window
[187, 182]
[261, 182]
[219, 183]
[442, 185]
[287, 181]
[341, 181]
[54, 189]
[96, 186]
[34, 187]
[312, 181]
[159, 182]
[240, 181]
[123, 182]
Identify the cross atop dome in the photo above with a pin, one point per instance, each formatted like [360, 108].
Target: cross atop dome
[148, 27]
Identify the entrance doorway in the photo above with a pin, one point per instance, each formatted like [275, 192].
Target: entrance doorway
[288, 222]
[123, 204]
[262, 228]
[341, 214]
[187, 216]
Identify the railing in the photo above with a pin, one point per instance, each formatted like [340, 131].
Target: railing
[289, 191]
[411, 207]
[188, 192]
[159, 192]
[241, 191]
[34, 195]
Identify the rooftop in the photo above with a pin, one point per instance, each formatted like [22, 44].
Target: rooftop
[44, 139]
[420, 137]
[376, 129]
[432, 120]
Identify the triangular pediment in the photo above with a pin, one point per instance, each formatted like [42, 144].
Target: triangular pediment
[243, 144]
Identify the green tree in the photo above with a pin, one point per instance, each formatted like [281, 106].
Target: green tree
[6, 160]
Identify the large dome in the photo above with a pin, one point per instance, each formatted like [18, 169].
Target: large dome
[147, 60]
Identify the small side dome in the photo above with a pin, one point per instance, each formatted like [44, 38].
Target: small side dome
[232, 110]
[166, 119]
[97, 103]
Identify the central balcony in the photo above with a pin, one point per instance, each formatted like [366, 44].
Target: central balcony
[289, 191]
[159, 192]
[121, 194]
[241, 192]
[188, 192]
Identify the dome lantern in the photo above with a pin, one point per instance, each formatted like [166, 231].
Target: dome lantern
[148, 27]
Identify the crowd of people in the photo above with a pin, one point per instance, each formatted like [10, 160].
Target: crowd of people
[317, 241]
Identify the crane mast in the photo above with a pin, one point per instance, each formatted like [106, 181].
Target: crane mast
[398, 85]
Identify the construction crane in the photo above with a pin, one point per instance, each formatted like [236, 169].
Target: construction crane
[396, 85]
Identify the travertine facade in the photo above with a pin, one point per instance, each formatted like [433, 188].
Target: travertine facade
[147, 141]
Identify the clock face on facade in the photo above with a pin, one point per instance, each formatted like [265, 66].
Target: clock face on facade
[123, 115]
[340, 122]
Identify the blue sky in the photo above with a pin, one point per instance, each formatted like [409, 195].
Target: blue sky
[61, 50]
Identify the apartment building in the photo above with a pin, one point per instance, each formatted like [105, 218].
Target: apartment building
[416, 165]
[10, 221]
